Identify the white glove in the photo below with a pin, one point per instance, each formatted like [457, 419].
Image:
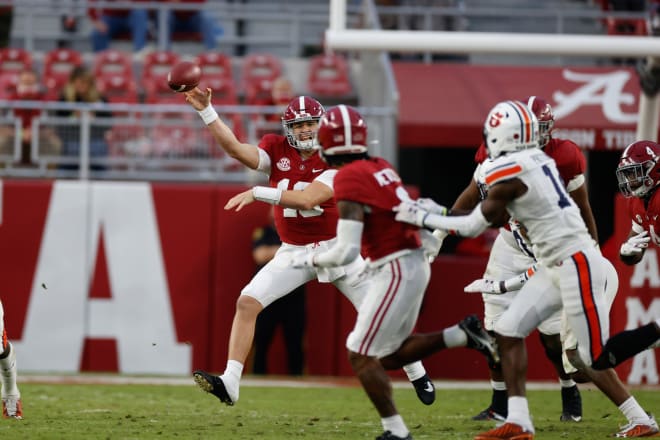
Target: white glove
[635, 245]
[410, 212]
[302, 259]
[431, 206]
[484, 285]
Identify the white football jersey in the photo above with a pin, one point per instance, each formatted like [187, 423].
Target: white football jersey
[551, 218]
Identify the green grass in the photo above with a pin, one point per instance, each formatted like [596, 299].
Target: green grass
[183, 412]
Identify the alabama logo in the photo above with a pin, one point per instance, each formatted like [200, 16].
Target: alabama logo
[284, 164]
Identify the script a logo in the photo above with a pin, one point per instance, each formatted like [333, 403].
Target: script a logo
[604, 89]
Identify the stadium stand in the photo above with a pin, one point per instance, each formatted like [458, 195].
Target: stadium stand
[58, 64]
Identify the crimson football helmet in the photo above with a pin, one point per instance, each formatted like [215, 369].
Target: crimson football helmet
[342, 131]
[510, 126]
[543, 111]
[638, 172]
[301, 109]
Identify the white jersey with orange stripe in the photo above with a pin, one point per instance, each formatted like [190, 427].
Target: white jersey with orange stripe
[549, 215]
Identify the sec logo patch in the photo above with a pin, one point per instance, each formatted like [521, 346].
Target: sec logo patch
[284, 164]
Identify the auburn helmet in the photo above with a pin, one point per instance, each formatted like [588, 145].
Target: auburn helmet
[543, 111]
[638, 172]
[510, 126]
[342, 131]
[301, 109]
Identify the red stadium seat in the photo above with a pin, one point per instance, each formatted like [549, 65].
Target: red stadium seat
[113, 63]
[118, 89]
[158, 92]
[156, 66]
[626, 26]
[259, 67]
[13, 60]
[329, 76]
[224, 90]
[58, 64]
[215, 65]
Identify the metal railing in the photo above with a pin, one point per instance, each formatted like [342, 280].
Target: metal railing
[140, 142]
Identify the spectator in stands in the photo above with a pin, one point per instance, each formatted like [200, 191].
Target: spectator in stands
[28, 88]
[288, 311]
[81, 88]
[192, 21]
[108, 23]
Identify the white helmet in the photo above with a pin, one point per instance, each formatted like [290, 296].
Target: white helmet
[510, 126]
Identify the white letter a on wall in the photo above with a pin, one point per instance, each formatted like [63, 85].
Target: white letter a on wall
[138, 316]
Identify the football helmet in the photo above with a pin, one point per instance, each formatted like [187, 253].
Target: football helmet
[638, 172]
[543, 111]
[510, 126]
[301, 109]
[342, 130]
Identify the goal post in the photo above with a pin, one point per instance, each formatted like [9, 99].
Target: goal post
[337, 37]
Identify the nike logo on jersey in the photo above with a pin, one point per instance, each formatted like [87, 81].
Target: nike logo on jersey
[314, 170]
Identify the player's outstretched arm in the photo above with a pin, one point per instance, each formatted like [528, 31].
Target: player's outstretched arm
[498, 287]
[304, 200]
[247, 154]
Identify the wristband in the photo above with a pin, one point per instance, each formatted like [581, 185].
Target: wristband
[267, 194]
[208, 115]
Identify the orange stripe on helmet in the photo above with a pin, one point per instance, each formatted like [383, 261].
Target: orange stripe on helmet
[527, 119]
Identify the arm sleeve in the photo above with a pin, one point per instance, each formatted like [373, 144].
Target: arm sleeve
[264, 161]
[469, 225]
[327, 177]
[347, 247]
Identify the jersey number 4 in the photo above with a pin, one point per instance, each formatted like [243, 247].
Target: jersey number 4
[290, 212]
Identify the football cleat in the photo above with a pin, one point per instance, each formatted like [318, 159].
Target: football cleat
[479, 339]
[424, 389]
[489, 414]
[213, 385]
[12, 408]
[509, 431]
[571, 404]
[387, 435]
[638, 430]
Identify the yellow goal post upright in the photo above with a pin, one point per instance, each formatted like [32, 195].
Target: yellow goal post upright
[338, 37]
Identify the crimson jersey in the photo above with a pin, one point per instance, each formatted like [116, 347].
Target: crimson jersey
[647, 216]
[374, 183]
[566, 154]
[289, 171]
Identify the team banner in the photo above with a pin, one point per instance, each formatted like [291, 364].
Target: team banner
[596, 107]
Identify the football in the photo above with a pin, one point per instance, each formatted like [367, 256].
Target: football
[184, 76]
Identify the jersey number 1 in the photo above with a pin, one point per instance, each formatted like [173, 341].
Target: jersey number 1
[563, 200]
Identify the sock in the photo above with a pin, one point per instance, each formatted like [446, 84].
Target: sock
[414, 371]
[454, 336]
[498, 402]
[633, 412]
[625, 345]
[395, 425]
[519, 413]
[8, 368]
[569, 383]
[232, 378]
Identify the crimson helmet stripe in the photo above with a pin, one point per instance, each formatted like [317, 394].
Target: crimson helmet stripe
[346, 120]
[301, 104]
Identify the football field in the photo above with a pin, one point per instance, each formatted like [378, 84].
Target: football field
[147, 408]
